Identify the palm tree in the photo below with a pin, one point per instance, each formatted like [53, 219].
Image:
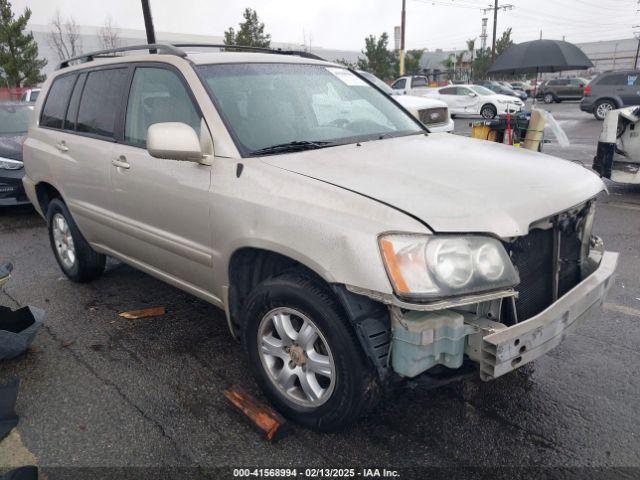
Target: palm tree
[471, 46]
[460, 63]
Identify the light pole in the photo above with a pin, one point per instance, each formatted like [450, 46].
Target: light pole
[148, 24]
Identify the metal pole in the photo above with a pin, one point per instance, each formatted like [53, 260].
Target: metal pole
[402, 29]
[148, 24]
[495, 31]
[635, 63]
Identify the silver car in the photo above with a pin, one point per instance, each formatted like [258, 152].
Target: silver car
[346, 244]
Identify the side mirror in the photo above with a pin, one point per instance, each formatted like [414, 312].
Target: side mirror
[471, 94]
[174, 141]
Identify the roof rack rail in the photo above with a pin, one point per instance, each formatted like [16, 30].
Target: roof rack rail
[277, 51]
[152, 47]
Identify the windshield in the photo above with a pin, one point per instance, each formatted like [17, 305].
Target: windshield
[266, 105]
[14, 120]
[481, 90]
[377, 82]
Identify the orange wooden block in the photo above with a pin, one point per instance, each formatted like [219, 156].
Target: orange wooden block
[269, 422]
[147, 312]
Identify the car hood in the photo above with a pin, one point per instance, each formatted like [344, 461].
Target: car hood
[452, 183]
[508, 98]
[11, 146]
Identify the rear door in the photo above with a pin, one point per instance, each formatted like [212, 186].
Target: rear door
[466, 100]
[162, 206]
[448, 96]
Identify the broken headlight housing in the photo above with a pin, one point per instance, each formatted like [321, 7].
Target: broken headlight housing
[436, 266]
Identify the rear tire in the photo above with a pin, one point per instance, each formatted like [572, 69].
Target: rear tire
[76, 258]
[281, 358]
[488, 112]
[549, 98]
[603, 107]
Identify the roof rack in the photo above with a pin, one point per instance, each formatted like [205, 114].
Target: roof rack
[152, 47]
[276, 51]
[177, 49]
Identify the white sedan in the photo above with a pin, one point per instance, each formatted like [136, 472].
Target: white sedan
[433, 113]
[475, 100]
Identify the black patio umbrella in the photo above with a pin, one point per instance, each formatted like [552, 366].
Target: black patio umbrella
[539, 56]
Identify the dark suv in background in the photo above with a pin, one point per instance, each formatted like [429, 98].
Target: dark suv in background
[611, 90]
[562, 89]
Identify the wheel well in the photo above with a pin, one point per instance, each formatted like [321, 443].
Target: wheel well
[603, 99]
[46, 192]
[249, 267]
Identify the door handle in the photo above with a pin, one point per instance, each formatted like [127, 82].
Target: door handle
[121, 162]
[62, 146]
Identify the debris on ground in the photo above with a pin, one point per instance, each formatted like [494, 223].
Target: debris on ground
[8, 397]
[18, 329]
[269, 422]
[146, 313]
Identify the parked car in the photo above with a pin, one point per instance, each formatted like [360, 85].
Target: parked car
[30, 96]
[499, 88]
[345, 252]
[14, 122]
[475, 100]
[610, 91]
[411, 85]
[525, 87]
[434, 114]
[561, 89]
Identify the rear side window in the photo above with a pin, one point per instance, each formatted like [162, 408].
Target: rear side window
[55, 107]
[72, 111]
[100, 102]
[419, 82]
[448, 91]
[157, 95]
[615, 79]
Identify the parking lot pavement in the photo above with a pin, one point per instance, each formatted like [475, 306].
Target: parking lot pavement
[100, 390]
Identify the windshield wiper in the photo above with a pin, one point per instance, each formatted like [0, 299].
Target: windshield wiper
[295, 146]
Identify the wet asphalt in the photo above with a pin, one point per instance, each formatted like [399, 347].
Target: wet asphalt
[102, 391]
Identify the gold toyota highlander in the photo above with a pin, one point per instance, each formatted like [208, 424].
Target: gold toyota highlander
[347, 244]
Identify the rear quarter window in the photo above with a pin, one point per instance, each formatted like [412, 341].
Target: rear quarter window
[55, 106]
[100, 103]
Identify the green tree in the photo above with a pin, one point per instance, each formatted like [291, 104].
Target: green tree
[481, 63]
[250, 32]
[504, 41]
[346, 63]
[18, 50]
[377, 57]
[471, 47]
[412, 62]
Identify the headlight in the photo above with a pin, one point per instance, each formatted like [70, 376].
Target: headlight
[7, 164]
[432, 266]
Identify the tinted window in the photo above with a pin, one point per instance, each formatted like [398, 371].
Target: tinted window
[615, 79]
[399, 85]
[14, 119]
[72, 111]
[448, 91]
[157, 95]
[101, 97]
[462, 91]
[419, 82]
[34, 95]
[55, 106]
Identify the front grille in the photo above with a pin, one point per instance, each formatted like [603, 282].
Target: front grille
[434, 116]
[534, 258]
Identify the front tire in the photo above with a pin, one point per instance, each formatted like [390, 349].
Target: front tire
[549, 98]
[304, 355]
[76, 258]
[488, 112]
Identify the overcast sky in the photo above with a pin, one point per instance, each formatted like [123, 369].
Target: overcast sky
[343, 24]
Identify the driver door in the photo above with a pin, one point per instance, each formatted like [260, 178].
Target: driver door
[466, 100]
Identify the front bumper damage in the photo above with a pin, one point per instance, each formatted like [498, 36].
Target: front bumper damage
[504, 350]
[423, 339]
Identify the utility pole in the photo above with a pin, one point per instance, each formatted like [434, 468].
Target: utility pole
[495, 9]
[148, 24]
[403, 25]
[495, 31]
[637, 35]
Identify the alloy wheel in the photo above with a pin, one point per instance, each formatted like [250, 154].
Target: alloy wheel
[63, 241]
[296, 356]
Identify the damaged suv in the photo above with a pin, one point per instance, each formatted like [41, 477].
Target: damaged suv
[347, 246]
